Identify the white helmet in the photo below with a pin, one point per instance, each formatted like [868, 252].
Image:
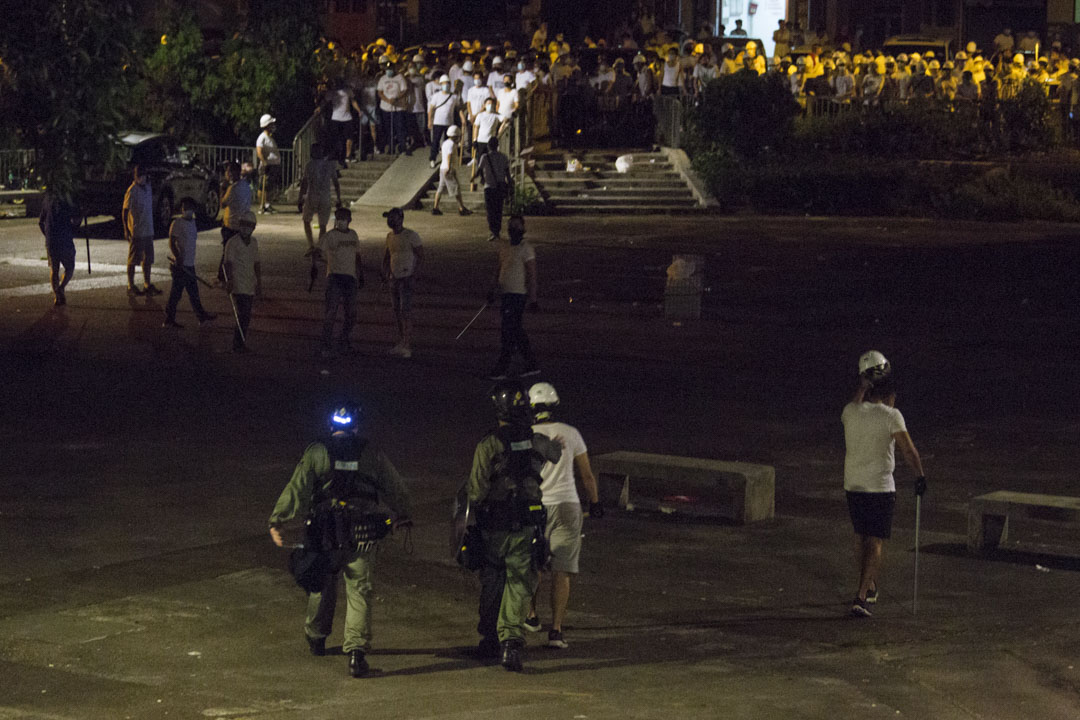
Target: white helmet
[267, 120]
[543, 393]
[873, 365]
[444, 78]
[467, 66]
[496, 61]
[453, 131]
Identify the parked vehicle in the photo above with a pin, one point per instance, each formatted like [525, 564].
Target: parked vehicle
[175, 173]
[908, 44]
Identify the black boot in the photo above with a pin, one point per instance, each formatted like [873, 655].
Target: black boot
[316, 645]
[511, 655]
[358, 666]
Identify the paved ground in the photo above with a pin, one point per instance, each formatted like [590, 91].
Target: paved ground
[140, 464]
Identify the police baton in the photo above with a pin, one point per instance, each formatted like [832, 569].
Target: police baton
[915, 584]
[482, 308]
[195, 275]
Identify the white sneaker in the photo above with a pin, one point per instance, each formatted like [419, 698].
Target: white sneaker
[406, 352]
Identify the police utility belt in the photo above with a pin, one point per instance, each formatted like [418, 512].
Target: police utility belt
[348, 528]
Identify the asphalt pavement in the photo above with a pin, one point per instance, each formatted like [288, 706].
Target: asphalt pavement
[140, 464]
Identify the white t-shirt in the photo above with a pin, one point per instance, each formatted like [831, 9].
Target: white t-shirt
[477, 95]
[139, 202]
[185, 234]
[524, 78]
[341, 249]
[486, 124]
[270, 149]
[393, 88]
[871, 449]
[447, 154]
[446, 105]
[242, 257]
[402, 248]
[342, 110]
[495, 80]
[455, 73]
[557, 484]
[419, 99]
[506, 98]
[512, 259]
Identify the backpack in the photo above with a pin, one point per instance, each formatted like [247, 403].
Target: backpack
[514, 498]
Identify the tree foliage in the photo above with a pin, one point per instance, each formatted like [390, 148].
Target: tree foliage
[64, 82]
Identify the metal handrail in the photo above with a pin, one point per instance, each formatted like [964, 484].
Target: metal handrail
[17, 170]
[301, 150]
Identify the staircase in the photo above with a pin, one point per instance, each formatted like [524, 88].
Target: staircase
[653, 184]
[472, 199]
[359, 176]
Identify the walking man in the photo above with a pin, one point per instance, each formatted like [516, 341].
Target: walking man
[504, 486]
[344, 276]
[243, 277]
[401, 263]
[182, 237]
[443, 112]
[138, 220]
[320, 175]
[494, 171]
[560, 498]
[235, 201]
[342, 484]
[515, 276]
[873, 429]
[58, 221]
[448, 179]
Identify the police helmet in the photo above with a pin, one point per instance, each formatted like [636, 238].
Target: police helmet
[543, 398]
[511, 402]
[345, 416]
[873, 365]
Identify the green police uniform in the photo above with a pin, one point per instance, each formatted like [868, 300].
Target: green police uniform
[508, 576]
[313, 478]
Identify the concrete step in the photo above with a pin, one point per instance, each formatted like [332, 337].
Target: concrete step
[620, 201]
[611, 184]
[544, 176]
[600, 156]
[636, 209]
[604, 167]
[639, 195]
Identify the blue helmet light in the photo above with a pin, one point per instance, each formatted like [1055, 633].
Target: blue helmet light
[345, 417]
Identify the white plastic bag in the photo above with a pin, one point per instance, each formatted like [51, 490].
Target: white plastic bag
[624, 163]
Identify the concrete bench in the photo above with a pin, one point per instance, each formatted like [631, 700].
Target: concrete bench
[988, 515]
[739, 491]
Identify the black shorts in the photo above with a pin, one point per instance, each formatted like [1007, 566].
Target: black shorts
[872, 512]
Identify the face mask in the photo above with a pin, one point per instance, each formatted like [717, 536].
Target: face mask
[521, 66]
[490, 107]
[341, 225]
[390, 72]
[446, 87]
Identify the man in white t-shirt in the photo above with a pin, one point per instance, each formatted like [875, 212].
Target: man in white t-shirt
[515, 277]
[560, 498]
[444, 111]
[401, 262]
[243, 277]
[267, 162]
[448, 180]
[495, 77]
[506, 99]
[320, 176]
[873, 428]
[340, 248]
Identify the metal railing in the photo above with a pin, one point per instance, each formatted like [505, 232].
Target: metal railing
[17, 170]
[670, 114]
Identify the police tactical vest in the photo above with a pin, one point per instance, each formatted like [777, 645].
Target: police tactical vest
[345, 515]
[513, 500]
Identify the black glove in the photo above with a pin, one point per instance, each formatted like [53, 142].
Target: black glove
[920, 485]
[533, 307]
[596, 510]
[491, 297]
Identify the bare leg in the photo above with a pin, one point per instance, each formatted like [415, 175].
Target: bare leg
[435, 205]
[54, 277]
[560, 598]
[348, 148]
[405, 326]
[868, 554]
[460, 204]
[131, 275]
[310, 237]
[146, 273]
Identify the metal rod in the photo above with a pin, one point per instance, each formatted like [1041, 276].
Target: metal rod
[482, 308]
[915, 585]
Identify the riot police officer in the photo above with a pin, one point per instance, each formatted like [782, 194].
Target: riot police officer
[341, 486]
[504, 486]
